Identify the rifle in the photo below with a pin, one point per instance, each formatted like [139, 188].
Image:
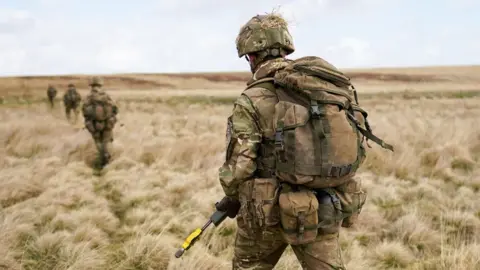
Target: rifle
[217, 218]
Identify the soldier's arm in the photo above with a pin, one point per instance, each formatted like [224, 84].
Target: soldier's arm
[85, 104]
[243, 138]
[114, 106]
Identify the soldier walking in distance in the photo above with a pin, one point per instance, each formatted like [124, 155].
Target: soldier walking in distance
[294, 142]
[51, 94]
[100, 113]
[71, 101]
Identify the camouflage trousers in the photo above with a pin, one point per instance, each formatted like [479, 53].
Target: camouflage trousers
[69, 109]
[103, 142]
[51, 101]
[260, 246]
[264, 251]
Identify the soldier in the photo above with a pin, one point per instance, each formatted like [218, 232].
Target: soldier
[100, 112]
[293, 147]
[71, 101]
[51, 94]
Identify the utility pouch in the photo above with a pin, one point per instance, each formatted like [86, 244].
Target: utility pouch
[352, 198]
[90, 126]
[265, 197]
[329, 211]
[298, 216]
[259, 207]
[110, 123]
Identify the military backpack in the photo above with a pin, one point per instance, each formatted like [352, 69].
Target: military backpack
[72, 98]
[318, 144]
[51, 92]
[99, 111]
[319, 125]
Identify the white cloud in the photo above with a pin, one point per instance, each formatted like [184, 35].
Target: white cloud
[15, 21]
[76, 36]
[350, 51]
[118, 59]
[433, 50]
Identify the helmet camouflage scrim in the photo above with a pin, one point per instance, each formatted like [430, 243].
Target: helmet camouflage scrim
[264, 32]
[96, 81]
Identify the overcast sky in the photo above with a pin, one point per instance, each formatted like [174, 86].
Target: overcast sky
[108, 36]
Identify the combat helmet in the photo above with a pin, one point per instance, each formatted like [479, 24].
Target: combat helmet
[70, 85]
[96, 81]
[265, 33]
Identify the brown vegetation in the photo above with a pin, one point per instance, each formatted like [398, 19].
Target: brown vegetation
[372, 80]
[422, 211]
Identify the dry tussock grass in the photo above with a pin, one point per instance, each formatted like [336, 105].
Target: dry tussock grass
[422, 212]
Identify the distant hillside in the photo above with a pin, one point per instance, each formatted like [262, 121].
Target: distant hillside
[407, 78]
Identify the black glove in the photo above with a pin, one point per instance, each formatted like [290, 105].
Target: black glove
[230, 205]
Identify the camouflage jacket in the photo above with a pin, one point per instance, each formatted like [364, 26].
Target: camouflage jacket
[51, 91]
[97, 96]
[250, 133]
[72, 96]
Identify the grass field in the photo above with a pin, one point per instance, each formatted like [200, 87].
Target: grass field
[422, 211]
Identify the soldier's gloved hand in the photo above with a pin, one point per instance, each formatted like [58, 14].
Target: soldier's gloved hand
[230, 205]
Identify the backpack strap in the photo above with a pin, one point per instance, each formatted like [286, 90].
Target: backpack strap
[321, 128]
[267, 83]
[367, 131]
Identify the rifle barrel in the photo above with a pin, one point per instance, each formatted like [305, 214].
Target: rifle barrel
[206, 224]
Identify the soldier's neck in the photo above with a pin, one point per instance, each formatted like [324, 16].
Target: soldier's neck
[268, 68]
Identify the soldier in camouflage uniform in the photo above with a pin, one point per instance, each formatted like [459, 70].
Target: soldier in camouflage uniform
[71, 101]
[51, 94]
[100, 112]
[265, 42]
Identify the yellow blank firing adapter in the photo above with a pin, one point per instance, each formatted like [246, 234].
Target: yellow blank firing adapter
[217, 218]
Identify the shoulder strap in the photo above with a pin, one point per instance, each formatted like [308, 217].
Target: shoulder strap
[267, 83]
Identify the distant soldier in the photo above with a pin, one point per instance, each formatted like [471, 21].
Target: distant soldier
[71, 100]
[51, 94]
[100, 112]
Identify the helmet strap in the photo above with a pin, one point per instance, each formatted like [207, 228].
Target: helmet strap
[268, 54]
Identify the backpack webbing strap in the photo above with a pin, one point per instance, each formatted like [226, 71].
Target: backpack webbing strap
[320, 129]
[301, 223]
[355, 94]
[369, 135]
[368, 132]
[305, 228]
[279, 146]
[338, 170]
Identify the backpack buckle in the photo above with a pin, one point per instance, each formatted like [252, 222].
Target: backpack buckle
[344, 170]
[279, 139]
[314, 109]
[279, 135]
